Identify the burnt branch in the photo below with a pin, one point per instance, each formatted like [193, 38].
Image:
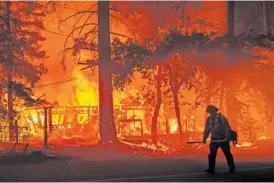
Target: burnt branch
[71, 33]
[85, 23]
[122, 35]
[91, 64]
[74, 47]
[81, 27]
[211, 9]
[120, 20]
[92, 33]
[77, 13]
[117, 10]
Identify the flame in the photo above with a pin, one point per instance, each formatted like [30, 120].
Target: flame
[86, 91]
[265, 138]
[245, 144]
[156, 147]
[173, 126]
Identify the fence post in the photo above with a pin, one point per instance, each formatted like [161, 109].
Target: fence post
[50, 119]
[167, 127]
[45, 127]
[16, 132]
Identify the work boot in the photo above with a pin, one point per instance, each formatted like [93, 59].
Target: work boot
[211, 165]
[231, 170]
[210, 171]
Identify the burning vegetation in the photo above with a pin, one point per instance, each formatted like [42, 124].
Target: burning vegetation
[129, 74]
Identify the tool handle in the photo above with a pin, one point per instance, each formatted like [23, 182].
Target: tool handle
[200, 142]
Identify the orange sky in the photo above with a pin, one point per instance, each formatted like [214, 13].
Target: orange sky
[55, 43]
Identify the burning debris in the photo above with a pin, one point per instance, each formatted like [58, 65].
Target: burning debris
[155, 147]
[245, 145]
[69, 124]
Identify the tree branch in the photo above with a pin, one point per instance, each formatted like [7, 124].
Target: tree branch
[117, 10]
[93, 31]
[71, 33]
[122, 35]
[85, 24]
[119, 20]
[89, 63]
[211, 9]
[71, 48]
[77, 13]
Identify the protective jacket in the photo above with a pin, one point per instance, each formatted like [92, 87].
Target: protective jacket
[218, 127]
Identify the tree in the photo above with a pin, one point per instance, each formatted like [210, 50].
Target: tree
[247, 125]
[154, 122]
[21, 50]
[85, 41]
[265, 16]
[179, 73]
[107, 125]
[130, 56]
[120, 71]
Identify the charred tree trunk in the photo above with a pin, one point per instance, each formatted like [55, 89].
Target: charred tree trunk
[154, 124]
[270, 128]
[208, 97]
[269, 117]
[265, 16]
[45, 127]
[230, 17]
[232, 107]
[178, 113]
[107, 125]
[231, 95]
[222, 96]
[50, 119]
[9, 76]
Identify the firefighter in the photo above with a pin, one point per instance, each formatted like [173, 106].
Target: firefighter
[219, 128]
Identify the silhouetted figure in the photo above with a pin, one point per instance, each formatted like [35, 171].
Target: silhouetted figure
[219, 128]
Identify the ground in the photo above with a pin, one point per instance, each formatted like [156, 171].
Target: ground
[115, 164]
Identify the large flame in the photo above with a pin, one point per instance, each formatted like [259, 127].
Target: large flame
[83, 90]
[86, 91]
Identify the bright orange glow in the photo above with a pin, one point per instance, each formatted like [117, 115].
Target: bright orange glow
[244, 144]
[243, 91]
[173, 126]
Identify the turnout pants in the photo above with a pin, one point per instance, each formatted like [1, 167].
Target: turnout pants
[225, 146]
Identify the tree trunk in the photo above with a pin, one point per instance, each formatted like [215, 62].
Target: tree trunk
[269, 117]
[208, 97]
[230, 17]
[45, 127]
[107, 125]
[232, 107]
[222, 95]
[178, 114]
[265, 16]
[154, 124]
[231, 95]
[9, 76]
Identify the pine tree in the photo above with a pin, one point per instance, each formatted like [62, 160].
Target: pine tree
[21, 50]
